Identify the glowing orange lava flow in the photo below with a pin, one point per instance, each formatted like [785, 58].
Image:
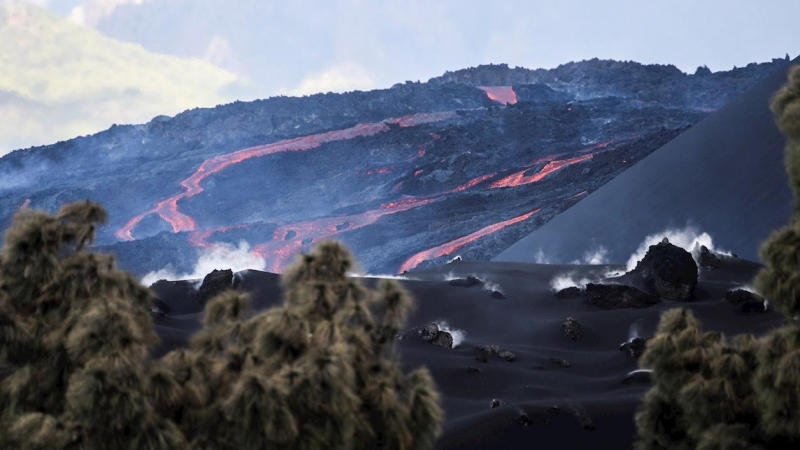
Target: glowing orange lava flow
[168, 209]
[450, 247]
[500, 94]
[520, 179]
[278, 251]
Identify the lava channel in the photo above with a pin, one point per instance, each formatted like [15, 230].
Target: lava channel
[277, 252]
[452, 246]
[500, 94]
[168, 209]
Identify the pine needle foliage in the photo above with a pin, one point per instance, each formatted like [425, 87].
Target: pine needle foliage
[318, 372]
[712, 393]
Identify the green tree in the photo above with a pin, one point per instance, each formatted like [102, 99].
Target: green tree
[712, 393]
[319, 371]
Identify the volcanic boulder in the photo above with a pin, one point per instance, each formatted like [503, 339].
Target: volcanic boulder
[668, 271]
[746, 301]
[708, 259]
[214, 283]
[618, 296]
[570, 292]
[572, 329]
[431, 333]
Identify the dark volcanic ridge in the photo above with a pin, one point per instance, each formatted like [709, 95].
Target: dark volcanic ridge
[467, 163]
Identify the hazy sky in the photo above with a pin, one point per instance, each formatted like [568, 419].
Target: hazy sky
[302, 47]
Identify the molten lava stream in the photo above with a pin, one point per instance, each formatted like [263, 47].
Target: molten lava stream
[500, 94]
[520, 179]
[450, 247]
[278, 251]
[168, 209]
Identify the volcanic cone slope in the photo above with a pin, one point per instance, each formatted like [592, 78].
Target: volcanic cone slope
[724, 176]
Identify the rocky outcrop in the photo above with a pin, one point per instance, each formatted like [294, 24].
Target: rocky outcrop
[708, 259]
[668, 271]
[746, 301]
[618, 296]
[213, 284]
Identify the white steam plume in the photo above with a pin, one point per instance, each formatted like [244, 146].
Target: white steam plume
[689, 238]
[568, 280]
[541, 258]
[220, 256]
[636, 330]
[491, 287]
[458, 335]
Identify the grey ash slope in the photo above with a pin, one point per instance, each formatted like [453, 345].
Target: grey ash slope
[724, 176]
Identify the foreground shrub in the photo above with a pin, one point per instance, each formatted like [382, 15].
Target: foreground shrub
[320, 371]
[744, 393]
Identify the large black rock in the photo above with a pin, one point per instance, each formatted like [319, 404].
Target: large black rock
[214, 283]
[432, 334]
[668, 271]
[618, 296]
[746, 301]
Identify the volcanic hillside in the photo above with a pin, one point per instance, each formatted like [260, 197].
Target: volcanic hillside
[725, 176]
[467, 163]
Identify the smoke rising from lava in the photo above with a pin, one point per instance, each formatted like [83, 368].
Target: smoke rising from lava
[219, 256]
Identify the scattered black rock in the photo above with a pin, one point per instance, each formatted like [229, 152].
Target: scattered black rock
[471, 369]
[746, 301]
[635, 347]
[495, 403]
[639, 377]
[214, 283]
[561, 362]
[707, 259]
[618, 296]
[572, 329]
[668, 271]
[494, 350]
[466, 282]
[498, 295]
[570, 292]
[431, 333]
[524, 420]
[482, 359]
[507, 355]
